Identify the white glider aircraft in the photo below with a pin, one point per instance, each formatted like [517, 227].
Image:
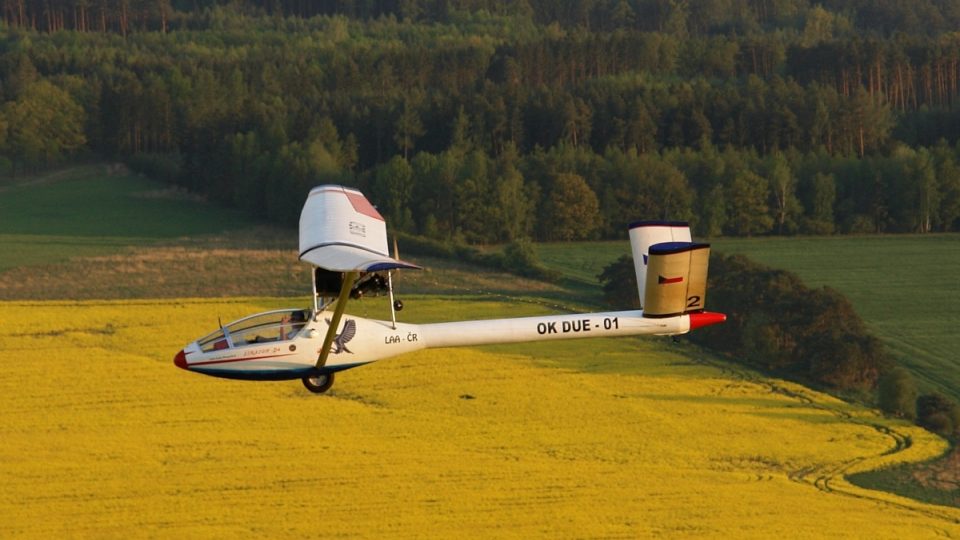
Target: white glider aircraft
[345, 238]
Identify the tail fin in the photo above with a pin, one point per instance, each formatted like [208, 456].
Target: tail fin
[644, 234]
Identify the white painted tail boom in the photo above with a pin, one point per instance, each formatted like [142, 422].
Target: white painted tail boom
[549, 327]
[375, 340]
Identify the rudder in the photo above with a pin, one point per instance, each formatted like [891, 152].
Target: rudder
[644, 234]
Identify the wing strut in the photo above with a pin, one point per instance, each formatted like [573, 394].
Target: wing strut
[393, 308]
[349, 279]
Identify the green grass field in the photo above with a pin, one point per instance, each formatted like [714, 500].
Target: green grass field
[87, 211]
[905, 287]
[92, 233]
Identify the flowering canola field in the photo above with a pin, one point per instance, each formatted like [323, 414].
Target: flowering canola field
[103, 437]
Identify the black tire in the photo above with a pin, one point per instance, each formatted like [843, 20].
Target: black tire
[318, 384]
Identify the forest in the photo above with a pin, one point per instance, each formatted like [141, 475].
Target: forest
[491, 121]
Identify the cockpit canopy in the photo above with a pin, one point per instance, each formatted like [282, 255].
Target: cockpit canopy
[272, 326]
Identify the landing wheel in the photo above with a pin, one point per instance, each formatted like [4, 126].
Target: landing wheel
[318, 384]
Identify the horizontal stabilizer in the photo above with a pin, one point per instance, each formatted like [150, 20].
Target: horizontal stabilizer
[341, 231]
[676, 279]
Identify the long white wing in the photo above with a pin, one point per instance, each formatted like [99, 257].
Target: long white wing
[341, 231]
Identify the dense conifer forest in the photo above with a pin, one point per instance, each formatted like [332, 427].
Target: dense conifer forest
[493, 121]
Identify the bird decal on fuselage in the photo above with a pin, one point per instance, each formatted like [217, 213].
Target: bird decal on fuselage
[341, 339]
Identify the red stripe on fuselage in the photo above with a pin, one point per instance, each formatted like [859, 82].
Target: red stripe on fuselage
[227, 361]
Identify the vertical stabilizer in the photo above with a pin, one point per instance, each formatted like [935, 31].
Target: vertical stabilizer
[644, 234]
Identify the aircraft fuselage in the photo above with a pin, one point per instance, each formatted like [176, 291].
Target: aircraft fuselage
[248, 354]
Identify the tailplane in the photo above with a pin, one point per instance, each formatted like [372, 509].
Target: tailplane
[676, 279]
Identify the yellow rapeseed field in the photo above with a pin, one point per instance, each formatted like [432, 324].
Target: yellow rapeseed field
[103, 437]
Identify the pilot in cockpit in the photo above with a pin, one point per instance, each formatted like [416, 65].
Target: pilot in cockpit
[292, 324]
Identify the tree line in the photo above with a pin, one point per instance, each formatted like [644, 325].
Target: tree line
[498, 121]
[690, 18]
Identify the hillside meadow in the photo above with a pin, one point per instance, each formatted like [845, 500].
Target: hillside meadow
[104, 437]
[95, 210]
[904, 287]
[98, 231]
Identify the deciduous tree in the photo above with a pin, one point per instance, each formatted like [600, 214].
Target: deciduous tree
[572, 211]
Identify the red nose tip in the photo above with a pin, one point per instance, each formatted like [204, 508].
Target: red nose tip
[706, 318]
[180, 360]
